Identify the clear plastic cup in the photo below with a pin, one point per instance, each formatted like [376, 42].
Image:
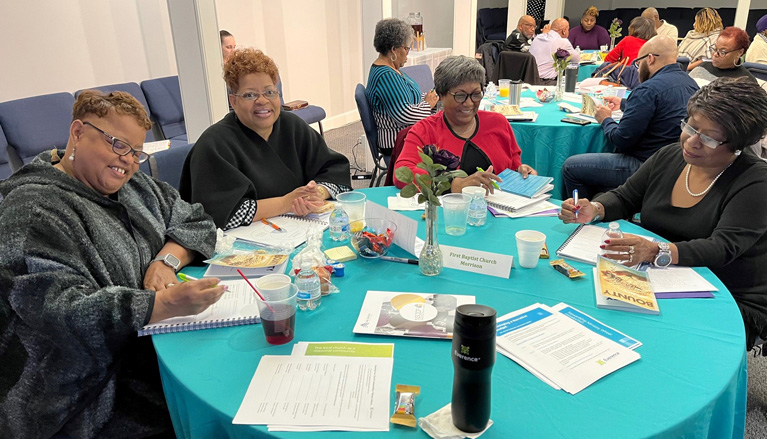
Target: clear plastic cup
[278, 314]
[529, 246]
[354, 204]
[455, 208]
[503, 88]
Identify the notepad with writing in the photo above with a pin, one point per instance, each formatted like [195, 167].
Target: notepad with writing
[583, 244]
[530, 187]
[237, 306]
[292, 235]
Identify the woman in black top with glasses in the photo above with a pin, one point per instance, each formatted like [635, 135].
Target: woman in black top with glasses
[479, 139]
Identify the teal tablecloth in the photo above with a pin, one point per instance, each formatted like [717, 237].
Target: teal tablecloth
[548, 142]
[690, 381]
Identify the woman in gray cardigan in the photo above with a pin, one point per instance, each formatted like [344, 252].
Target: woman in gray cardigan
[88, 253]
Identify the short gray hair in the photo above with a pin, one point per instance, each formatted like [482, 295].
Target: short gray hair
[737, 105]
[392, 32]
[456, 70]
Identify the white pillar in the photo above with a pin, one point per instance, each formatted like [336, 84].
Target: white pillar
[198, 56]
[464, 27]
[741, 13]
[517, 9]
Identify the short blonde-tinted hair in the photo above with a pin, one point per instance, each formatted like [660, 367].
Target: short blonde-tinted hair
[97, 103]
[592, 11]
[707, 20]
[245, 61]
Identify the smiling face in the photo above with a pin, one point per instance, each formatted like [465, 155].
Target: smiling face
[698, 154]
[729, 60]
[260, 114]
[95, 163]
[588, 22]
[461, 114]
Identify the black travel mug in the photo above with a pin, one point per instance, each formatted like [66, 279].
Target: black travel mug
[571, 77]
[473, 359]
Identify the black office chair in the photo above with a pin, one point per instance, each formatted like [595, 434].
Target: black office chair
[371, 133]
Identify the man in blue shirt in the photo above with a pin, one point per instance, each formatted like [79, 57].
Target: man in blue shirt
[651, 119]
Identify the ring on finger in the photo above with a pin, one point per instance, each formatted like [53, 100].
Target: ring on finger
[169, 285]
[631, 249]
[631, 259]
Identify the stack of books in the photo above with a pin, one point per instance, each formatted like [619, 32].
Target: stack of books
[520, 196]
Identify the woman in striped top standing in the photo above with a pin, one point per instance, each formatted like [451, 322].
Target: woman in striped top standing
[396, 100]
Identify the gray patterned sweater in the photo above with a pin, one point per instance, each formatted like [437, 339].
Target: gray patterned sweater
[72, 264]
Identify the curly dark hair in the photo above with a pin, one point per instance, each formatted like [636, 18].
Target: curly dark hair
[737, 105]
[245, 61]
[392, 33]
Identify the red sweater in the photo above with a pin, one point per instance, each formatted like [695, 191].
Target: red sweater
[628, 47]
[493, 136]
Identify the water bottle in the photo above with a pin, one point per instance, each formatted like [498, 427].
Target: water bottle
[339, 224]
[308, 283]
[473, 359]
[478, 205]
[614, 231]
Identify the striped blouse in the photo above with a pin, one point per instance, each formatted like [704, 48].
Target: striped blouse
[396, 101]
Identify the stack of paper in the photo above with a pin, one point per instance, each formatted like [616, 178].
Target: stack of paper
[330, 386]
[563, 347]
[675, 282]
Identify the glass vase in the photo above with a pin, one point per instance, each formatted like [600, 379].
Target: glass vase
[612, 43]
[559, 93]
[430, 260]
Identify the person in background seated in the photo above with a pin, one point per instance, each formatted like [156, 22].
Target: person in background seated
[757, 51]
[696, 45]
[227, 43]
[662, 27]
[589, 35]
[640, 30]
[259, 162]
[704, 194]
[476, 139]
[89, 248]
[730, 47]
[394, 97]
[650, 121]
[520, 38]
[546, 44]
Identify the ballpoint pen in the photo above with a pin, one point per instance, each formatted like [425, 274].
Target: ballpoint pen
[185, 277]
[401, 260]
[495, 185]
[272, 225]
[575, 201]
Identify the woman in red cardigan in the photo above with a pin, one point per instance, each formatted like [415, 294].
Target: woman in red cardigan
[640, 30]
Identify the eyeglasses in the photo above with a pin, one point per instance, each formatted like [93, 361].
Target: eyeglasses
[121, 148]
[460, 97]
[407, 49]
[721, 52]
[636, 61]
[252, 96]
[704, 139]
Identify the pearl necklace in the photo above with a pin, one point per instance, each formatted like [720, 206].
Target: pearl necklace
[687, 181]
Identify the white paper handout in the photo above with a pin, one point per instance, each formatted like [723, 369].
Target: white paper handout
[675, 279]
[556, 347]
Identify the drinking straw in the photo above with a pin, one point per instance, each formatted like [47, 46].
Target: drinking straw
[254, 289]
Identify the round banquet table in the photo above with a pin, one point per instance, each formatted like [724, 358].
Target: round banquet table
[690, 381]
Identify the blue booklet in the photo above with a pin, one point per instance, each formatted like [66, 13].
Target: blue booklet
[527, 187]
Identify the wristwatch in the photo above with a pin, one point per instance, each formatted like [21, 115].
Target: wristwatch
[663, 259]
[169, 260]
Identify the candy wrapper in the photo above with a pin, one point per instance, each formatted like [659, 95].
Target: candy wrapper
[563, 267]
[404, 405]
[544, 95]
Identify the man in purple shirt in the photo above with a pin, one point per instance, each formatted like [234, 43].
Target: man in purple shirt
[544, 45]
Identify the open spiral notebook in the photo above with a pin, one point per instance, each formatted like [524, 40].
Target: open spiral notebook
[293, 232]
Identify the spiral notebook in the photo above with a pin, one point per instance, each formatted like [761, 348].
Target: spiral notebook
[292, 235]
[510, 202]
[237, 306]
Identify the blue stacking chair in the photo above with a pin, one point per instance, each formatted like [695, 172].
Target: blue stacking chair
[5, 164]
[36, 124]
[758, 70]
[683, 62]
[134, 90]
[371, 133]
[421, 74]
[166, 165]
[164, 98]
[310, 114]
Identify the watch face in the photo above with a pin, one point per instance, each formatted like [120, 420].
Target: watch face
[172, 261]
[663, 260]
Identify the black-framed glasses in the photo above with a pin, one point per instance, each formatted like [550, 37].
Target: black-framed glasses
[120, 147]
[460, 96]
[252, 95]
[636, 61]
[721, 52]
[704, 139]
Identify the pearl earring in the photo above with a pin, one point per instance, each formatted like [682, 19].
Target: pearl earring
[72, 156]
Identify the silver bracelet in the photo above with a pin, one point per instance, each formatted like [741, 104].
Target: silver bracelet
[597, 217]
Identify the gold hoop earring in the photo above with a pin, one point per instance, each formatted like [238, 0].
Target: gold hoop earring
[393, 59]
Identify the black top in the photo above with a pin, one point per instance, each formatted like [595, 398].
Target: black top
[737, 72]
[231, 163]
[725, 231]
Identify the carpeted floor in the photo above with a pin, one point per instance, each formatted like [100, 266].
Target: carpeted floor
[346, 141]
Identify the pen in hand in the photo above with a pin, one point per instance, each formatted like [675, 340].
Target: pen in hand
[495, 185]
[185, 277]
[575, 201]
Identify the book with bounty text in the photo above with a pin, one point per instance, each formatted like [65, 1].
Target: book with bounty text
[623, 288]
